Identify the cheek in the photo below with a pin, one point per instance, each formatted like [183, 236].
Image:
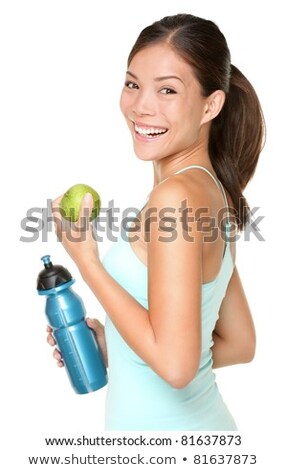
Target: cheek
[191, 116]
[179, 112]
[124, 102]
[186, 124]
[181, 117]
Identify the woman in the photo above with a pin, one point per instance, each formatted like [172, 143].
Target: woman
[172, 293]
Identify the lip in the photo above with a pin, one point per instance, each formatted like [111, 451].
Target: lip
[150, 140]
[147, 126]
[142, 138]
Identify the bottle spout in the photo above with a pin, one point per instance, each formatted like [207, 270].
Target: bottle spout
[53, 275]
[47, 262]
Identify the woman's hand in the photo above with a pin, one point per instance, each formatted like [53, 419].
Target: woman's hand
[56, 352]
[77, 237]
[99, 332]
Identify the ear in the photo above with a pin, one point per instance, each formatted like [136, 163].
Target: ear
[213, 105]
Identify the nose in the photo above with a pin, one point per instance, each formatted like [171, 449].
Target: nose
[144, 103]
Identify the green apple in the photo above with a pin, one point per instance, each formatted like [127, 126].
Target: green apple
[71, 202]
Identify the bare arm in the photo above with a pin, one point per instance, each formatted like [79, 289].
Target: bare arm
[167, 337]
[234, 334]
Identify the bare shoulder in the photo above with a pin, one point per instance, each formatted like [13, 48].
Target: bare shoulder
[197, 192]
[194, 192]
[177, 189]
[170, 221]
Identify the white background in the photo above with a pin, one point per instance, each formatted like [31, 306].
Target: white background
[62, 70]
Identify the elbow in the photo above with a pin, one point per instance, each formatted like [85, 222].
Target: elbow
[249, 353]
[180, 383]
[180, 379]
[251, 348]
[179, 370]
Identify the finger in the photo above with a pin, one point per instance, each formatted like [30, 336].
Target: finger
[58, 220]
[49, 329]
[93, 323]
[50, 340]
[56, 202]
[57, 355]
[60, 364]
[87, 205]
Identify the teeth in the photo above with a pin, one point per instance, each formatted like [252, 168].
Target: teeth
[151, 130]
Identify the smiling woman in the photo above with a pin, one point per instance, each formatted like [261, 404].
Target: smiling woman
[175, 304]
[155, 98]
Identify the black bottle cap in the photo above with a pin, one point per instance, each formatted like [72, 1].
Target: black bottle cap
[52, 275]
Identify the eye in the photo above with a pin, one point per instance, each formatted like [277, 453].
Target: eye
[167, 91]
[131, 85]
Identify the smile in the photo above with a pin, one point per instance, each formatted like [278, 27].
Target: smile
[149, 133]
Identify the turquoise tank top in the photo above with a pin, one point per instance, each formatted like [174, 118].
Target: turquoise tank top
[139, 399]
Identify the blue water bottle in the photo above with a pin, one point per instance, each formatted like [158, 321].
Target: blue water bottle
[65, 312]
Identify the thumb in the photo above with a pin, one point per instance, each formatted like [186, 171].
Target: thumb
[87, 205]
[93, 323]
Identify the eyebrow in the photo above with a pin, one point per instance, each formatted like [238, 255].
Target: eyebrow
[157, 79]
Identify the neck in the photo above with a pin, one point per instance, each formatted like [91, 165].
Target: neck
[168, 166]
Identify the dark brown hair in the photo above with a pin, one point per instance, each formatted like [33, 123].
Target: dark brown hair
[237, 134]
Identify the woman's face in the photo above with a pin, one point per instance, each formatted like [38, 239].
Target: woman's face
[162, 103]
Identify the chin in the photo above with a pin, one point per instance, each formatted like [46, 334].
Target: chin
[146, 156]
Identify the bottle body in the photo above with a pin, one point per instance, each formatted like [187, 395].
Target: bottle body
[84, 363]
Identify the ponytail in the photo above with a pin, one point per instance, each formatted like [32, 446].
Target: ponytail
[236, 140]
